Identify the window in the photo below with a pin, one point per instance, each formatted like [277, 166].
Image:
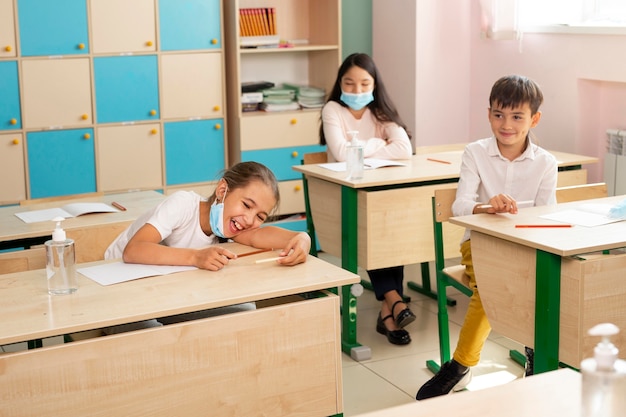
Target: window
[598, 13]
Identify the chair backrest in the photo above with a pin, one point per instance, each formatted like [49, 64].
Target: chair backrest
[311, 158]
[315, 158]
[443, 200]
[22, 260]
[581, 192]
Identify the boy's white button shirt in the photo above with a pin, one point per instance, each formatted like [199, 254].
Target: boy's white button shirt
[485, 173]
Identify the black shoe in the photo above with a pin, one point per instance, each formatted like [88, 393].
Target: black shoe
[530, 362]
[451, 377]
[405, 317]
[395, 337]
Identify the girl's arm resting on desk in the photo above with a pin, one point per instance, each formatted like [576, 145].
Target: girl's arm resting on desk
[145, 248]
[294, 246]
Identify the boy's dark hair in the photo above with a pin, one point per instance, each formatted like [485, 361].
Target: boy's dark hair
[514, 90]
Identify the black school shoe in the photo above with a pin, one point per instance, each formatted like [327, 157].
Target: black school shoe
[395, 337]
[451, 377]
[405, 317]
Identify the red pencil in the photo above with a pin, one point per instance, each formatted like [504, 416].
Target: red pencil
[530, 226]
[438, 160]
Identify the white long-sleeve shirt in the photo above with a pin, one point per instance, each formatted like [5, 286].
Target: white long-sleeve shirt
[380, 140]
[486, 173]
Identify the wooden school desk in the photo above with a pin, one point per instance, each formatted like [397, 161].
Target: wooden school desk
[92, 232]
[284, 358]
[556, 393]
[543, 287]
[385, 219]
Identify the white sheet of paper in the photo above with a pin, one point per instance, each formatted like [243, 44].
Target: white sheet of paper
[116, 272]
[587, 215]
[66, 211]
[369, 163]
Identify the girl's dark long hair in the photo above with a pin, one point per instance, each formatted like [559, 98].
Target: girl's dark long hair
[382, 107]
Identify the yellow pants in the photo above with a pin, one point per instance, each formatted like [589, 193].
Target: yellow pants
[476, 327]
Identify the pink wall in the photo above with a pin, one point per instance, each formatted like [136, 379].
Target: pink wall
[583, 78]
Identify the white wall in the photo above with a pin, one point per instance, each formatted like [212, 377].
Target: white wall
[583, 77]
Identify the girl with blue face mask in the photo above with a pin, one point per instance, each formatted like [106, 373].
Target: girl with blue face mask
[359, 102]
[185, 228]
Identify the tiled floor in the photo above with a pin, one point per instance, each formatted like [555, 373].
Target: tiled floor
[394, 373]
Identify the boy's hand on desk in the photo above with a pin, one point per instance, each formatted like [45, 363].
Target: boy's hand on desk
[296, 250]
[213, 258]
[501, 203]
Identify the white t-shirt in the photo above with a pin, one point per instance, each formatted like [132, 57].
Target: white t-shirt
[177, 218]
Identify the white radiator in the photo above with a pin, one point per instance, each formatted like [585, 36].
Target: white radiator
[615, 162]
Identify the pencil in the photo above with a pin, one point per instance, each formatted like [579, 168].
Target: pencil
[253, 252]
[118, 206]
[262, 261]
[438, 160]
[538, 226]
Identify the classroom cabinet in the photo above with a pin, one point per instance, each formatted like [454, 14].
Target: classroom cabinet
[122, 26]
[194, 151]
[187, 90]
[57, 93]
[129, 157]
[127, 88]
[199, 19]
[61, 162]
[7, 30]
[12, 168]
[10, 118]
[53, 27]
[312, 57]
[111, 95]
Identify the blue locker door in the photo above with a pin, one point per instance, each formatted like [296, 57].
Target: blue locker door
[194, 151]
[280, 160]
[56, 27]
[61, 162]
[189, 24]
[127, 88]
[10, 116]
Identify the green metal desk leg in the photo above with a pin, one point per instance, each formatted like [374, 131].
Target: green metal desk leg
[425, 287]
[349, 261]
[547, 311]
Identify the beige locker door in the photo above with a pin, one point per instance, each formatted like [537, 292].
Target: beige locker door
[7, 29]
[191, 85]
[12, 168]
[123, 26]
[129, 157]
[57, 93]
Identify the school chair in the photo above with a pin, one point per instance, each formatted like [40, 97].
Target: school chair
[311, 158]
[446, 276]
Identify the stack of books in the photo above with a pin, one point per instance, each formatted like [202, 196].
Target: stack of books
[308, 97]
[279, 99]
[257, 26]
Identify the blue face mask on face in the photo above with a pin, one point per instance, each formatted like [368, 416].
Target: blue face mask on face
[216, 217]
[357, 101]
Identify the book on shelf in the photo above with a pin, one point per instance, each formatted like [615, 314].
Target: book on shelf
[257, 21]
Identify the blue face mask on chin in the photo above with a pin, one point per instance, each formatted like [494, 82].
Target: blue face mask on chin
[216, 217]
[357, 101]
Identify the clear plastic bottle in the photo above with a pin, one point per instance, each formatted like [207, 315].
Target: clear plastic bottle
[604, 377]
[60, 262]
[354, 160]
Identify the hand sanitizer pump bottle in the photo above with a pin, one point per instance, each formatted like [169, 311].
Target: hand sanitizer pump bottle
[604, 377]
[354, 160]
[60, 262]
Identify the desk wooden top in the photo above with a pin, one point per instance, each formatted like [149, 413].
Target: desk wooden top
[560, 241]
[136, 203]
[554, 393]
[28, 312]
[419, 169]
